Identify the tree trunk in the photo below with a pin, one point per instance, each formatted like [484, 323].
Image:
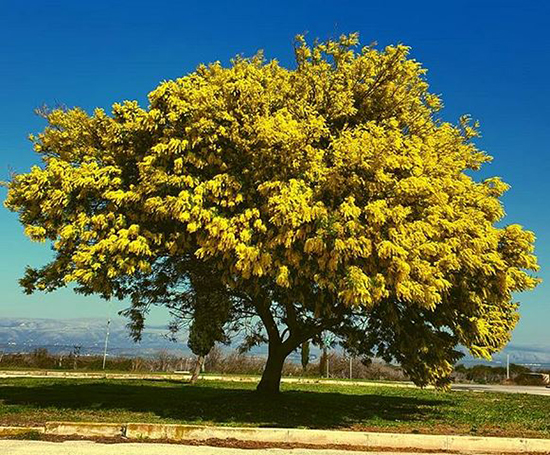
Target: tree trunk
[305, 356]
[323, 362]
[271, 377]
[197, 371]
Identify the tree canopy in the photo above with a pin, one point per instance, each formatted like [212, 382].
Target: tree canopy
[327, 196]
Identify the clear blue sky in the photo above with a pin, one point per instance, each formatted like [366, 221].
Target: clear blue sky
[490, 59]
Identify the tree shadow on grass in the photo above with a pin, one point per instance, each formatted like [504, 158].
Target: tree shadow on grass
[223, 404]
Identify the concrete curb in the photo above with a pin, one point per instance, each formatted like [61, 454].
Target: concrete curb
[102, 430]
[365, 440]
[337, 437]
[14, 431]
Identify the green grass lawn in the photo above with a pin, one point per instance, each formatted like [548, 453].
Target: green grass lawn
[26, 401]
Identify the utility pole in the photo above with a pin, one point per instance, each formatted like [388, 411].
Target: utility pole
[508, 366]
[350, 367]
[107, 337]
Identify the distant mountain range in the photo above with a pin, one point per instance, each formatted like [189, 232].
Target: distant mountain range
[531, 355]
[61, 335]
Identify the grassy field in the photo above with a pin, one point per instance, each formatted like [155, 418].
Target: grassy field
[185, 375]
[375, 408]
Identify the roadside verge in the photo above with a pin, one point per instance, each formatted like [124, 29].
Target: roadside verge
[321, 438]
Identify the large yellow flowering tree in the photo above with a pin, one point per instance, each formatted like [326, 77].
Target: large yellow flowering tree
[326, 197]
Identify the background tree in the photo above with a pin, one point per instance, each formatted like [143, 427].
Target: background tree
[211, 313]
[325, 341]
[330, 196]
